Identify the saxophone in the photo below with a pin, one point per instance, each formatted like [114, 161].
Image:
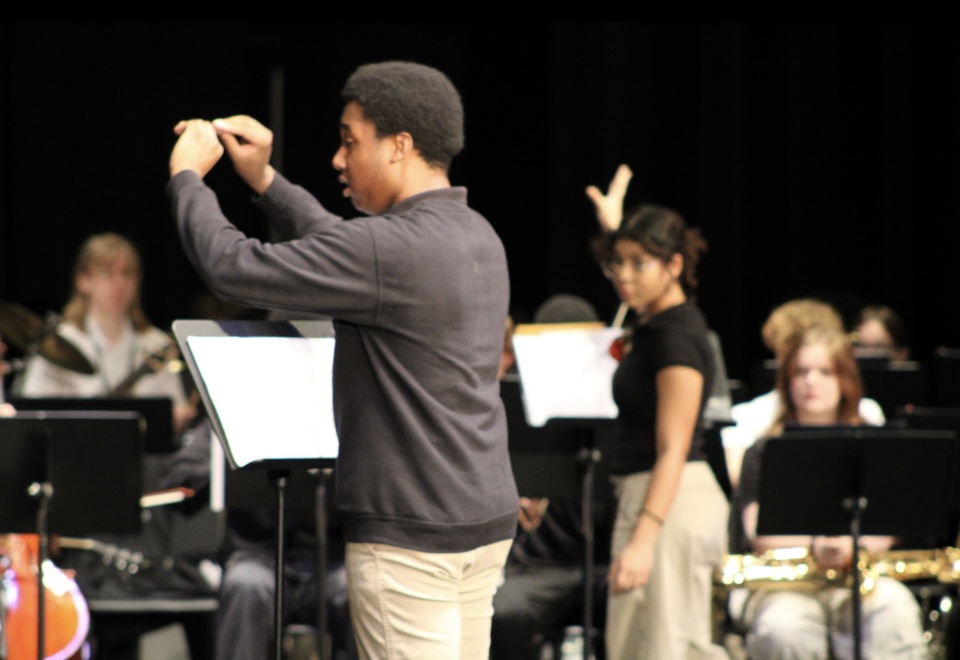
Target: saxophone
[796, 569]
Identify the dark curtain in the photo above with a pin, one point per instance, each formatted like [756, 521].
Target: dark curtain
[817, 158]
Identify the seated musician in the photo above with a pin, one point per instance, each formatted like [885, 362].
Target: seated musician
[104, 321]
[819, 384]
[754, 417]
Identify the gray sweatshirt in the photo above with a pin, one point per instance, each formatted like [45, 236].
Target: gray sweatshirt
[419, 297]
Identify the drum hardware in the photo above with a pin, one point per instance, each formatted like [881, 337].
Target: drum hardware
[20, 326]
[32, 334]
[64, 354]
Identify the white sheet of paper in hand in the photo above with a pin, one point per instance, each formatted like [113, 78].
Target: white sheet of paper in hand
[566, 373]
[273, 395]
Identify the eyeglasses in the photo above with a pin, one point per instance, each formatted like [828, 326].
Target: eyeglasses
[613, 267]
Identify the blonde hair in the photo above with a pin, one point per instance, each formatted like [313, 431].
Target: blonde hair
[793, 318]
[99, 250]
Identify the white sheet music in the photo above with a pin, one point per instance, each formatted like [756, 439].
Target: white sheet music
[566, 371]
[273, 395]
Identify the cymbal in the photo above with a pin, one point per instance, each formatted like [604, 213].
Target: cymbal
[19, 326]
[64, 354]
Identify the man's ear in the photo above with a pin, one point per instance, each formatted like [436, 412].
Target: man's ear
[402, 146]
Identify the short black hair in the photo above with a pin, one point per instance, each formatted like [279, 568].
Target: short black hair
[399, 96]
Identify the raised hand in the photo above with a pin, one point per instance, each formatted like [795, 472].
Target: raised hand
[609, 206]
[249, 145]
[197, 148]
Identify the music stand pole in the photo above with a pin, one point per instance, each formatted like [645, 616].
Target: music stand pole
[589, 457]
[321, 531]
[856, 506]
[280, 479]
[42, 492]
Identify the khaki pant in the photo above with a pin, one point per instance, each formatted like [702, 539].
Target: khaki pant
[671, 617]
[423, 605]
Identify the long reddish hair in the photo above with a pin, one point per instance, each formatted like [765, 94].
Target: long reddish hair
[844, 365]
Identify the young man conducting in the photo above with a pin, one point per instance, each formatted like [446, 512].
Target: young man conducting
[419, 293]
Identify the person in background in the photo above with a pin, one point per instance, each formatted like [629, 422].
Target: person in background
[670, 531]
[753, 418]
[105, 321]
[881, 332]
[819, 382]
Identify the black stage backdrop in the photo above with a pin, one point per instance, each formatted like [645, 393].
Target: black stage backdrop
[818, 158]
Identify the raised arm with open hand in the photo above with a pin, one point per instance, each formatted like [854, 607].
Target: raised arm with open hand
[609, 206]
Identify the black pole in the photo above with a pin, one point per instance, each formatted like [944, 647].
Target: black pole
[43, 492]
[856, 505]
[279, 479]
[321, 531]
[589, 457]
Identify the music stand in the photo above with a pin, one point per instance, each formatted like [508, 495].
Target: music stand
[246, 369]
[69, 473]
[570, 393]
[836, 481]
[157, 412]
[946, 377]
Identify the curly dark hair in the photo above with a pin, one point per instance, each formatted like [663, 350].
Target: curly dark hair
[663, 233]
[401, 96]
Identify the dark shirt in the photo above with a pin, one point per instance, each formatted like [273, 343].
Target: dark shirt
[678, 336]
[419, 297]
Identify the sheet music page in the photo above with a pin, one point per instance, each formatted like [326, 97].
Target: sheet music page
[566, 371]
[272, 395]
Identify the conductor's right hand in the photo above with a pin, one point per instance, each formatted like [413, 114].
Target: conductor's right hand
[249, 145]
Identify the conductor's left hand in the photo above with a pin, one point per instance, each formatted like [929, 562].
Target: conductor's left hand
[197, 149]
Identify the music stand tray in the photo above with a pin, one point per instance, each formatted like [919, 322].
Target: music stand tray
[267, 388]
[157, 412]
[907, 477]
[92, 460]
